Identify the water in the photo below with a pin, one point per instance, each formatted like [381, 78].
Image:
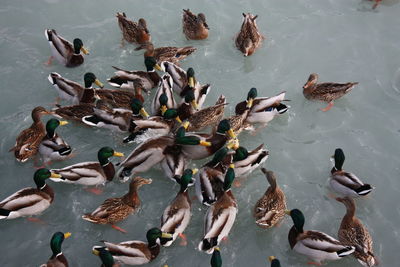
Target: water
[342, 40]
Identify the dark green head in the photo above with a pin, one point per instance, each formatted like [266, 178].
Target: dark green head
[105, 153]
[137, 107]
[155, 233]
[339, 158]
[298, 219]
[52, 125]
[151, 63]
[40, 177]
[252, 93]
[89, 78]
[105, 256]
[274, 262]
[180, 132]
[229, 177]
[186, 178]
[225, 127]
[190, 140]
[189, 97]
[163, 99]
[56, 242]
[78, 44]
[216, 260]
[218, 156]
[170, 114]
[240, 154]
[190, 72]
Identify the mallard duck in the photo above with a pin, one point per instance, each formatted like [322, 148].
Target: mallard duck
[53, 147]
[194, 27]
[114, 210]
[28, 141]
[164, 97]
[249, 38]
[314, 244]
[327, 92]
[346, 183]
[105, 257]
[270, 208]
[57, 259]
[246, 161]
[74, 112]
[177, 74]
[29, 201]
[67, 54]
[216, 260]
[166, 53]
[136, 252]
[220, 216]
[177, 214]
[90, 173]
[274, 261]
[133, 32]
[353, 232]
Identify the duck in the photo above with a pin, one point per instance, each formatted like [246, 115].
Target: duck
[249, 38]
[176, 215]
[216, 259]
[376, 3]
[57, 259]
[28, 141]
[270, 208]
[220, 216]
[194, 27]
[200, 91]
[90, 173]
[166, 53]
[346, 183]
[53, 147]
[353, 232]
[136, 252]
[133, 32]
[327, 92]
[74, 112]
[164, 97]
[114, 210]
[105, 256]
[274, 261]
[178, 75]
[66, 54]
[29, 201]
[314, 244]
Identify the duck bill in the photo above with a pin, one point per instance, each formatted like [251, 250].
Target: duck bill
[233, 144]
[232, 166]
[163, 109]
[67, 235]
[157, 67]
[62, 123]
[204, 143]
[194, 171]
[98, 83]
[178, 119]
[287, 212]
[185, 125]
[166, 235]
[144, 113]
[118, 154]
[250, 103]
[84, 50]
[231, 133]
[194, 105]
[271, 258]
[55, 175]
[95, 252]
[191, 82]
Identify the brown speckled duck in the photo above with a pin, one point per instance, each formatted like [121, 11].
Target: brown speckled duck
[249, 38]
[133, 32]
[167, 53]
[194, 27]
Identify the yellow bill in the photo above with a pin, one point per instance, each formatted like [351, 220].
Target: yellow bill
[98, 83]
[84, 50]
[232, 166]
[191, 82]
[195, 170]
[63, 123]
[250, 103]
[287, 212]
[163, 109]
[166, 235]
[96, 252]
[178, 119]
[67, 234]
[118, 154]
[271, 258]
[144, 113]
[185, 124]
[194, 104]
[231, 133]
[204, 143]
[157, 67]
[55, 175]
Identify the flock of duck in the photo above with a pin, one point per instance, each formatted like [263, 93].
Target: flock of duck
[170, 136]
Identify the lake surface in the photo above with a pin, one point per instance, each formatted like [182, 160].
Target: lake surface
[342, 40]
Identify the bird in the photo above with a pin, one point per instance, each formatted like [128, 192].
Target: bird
[216, 259]
[194, 27]
[133, 32]
[274, 261]
[57, 259]
[164, 97]
[249, 38]
[166, 53]
[105, 257]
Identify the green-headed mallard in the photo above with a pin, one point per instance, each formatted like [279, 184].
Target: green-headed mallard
[274, 261]
[346, 183]
[133, 32]
[270, 208]
[314, 244]
[167, 53]
[29, 201]
[164, 97]
[136, 252]
[194, 27]
[216, 259]
[57, 259]
[327, 92]
[105, 256]
[67, 54]
[246, 161]
[249, 38]
[352, 232]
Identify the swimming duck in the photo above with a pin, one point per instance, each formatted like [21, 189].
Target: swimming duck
[28, 141]
[133, 32]
[74, 112]
[216, 260]
[67, 54]
[220, 216]
[29, 201]
[53, 147]
[105, 256]
[136, 252]
[177, 74]
[270, 208]
[249, 38]
[327, 92]
[90, 173]
[164, 97]
[314, 244]
[346, 183]
[57, 259]
[274, 261]
[353, 232]
[194, 27]
[167, 53]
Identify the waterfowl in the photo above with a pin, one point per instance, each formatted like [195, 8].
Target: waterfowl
[67, 54]
[164, 97]
[249, 38]
[220, 216]
[346, 183]
[177, 74]
[274, 261]
[216, 259]
[314, 244]
[327, 92]
[53, 147]
[194, 27]
[133, 32]
[105, 256]
[376, 3]
[270, 208]
[200, 91]
[57, 259]
[28, 141]
[90, 173]
[29, 201]
[167, 53]
[209, 183]
[246, 161]
[74, 112]
[136, 252]
[353, 232]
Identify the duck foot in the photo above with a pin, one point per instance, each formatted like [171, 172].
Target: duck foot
[328, 107]
[48, 62]
[36, 220]
[376, 4]
[183, 239]
[331, 196]
[94, 190]
[237, 183]
[314, 263]
[119, 228]
[225, 240]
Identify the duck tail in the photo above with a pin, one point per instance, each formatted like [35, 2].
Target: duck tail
[4, 213]
[346, 251]
[364, 190]
[282, 108]
[208, 243]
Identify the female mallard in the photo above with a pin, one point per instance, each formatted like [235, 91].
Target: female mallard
[164, 97]
[220, 216]
[136, 252]
[194, 27]
[270, 208]
[353, 232]
[57, 259]
[346, 183]
[105, 256]
[67, 54]
[327, 92]
[274, 261]
[133, 32]
[114, 210]
[216, 260]
[29, 201]
[28, 141]
[90, 173]
[167, 53]
[176, 216]
[314, 244]
[53, 147]
[74, 112]
[249, 39]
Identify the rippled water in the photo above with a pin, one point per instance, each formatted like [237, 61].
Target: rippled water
[342, 40]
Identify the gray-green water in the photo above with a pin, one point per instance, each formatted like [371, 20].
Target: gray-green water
[342, 40]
